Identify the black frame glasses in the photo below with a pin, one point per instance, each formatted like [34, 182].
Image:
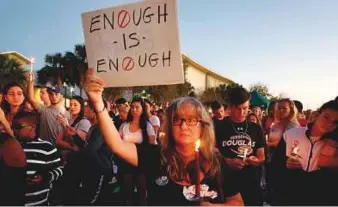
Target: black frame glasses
[189, 122]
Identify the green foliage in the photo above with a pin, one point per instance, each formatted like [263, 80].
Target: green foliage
[261, 88]
[10, 71]
[217, 93]
[69, 68]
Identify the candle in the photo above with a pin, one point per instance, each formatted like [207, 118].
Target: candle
[32, 62]
[198, 169]
[245, 153]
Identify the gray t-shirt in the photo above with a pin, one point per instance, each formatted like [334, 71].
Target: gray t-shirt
[49, 126]
[83, 125]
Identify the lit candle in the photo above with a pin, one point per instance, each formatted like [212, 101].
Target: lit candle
[198, 169]
[32, 62]
[245, 153]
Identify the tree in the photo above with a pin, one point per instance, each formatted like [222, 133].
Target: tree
[217, 93]
[260, 88]
[162, 93]
[66, 68]
[52, 71]
[10, 71]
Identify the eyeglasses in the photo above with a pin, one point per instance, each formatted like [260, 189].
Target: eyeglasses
[190, 121]
[18, 127]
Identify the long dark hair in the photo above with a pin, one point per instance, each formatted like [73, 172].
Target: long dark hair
[143, 118]
[80, 116]
[5, 105]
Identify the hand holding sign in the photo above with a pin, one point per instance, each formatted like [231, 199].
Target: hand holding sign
[93, 86]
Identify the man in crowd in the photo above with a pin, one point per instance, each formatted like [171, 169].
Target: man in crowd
[49, 126]
[43, 160]
[242, 145]
[217, 116]
[300, 116]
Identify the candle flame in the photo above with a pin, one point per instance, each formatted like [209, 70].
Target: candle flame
[197, 145]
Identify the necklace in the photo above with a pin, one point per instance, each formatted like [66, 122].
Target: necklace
[240, 128]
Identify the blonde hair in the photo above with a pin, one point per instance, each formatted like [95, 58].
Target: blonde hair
[172, 160]
[293, 110]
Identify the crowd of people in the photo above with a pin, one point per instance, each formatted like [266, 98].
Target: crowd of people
[141, 153]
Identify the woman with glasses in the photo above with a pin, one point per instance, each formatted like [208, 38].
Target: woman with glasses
[14, 101]
[298, 162]
[169, 167]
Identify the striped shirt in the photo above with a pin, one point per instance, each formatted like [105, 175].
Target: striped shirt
[42, 159]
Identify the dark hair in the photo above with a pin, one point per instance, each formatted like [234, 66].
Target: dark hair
[121, 101]
[81, 114]
[215, 105]
[31, 116]
[160, 111]
[143, 118]
[238, 95]
[298, 105]
[333, 104]
[5, 105]
[147, 101]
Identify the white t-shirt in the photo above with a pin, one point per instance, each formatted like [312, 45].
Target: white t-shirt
[155, 121]
[135, 137]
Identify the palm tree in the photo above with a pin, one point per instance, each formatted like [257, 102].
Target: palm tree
[10, 71]
[66, 68]
[53, 70]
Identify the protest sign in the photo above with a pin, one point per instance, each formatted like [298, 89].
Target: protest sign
[134, 44]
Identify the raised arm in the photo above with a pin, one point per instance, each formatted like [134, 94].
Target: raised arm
[4, 122]
[125, 150]
[30, 91]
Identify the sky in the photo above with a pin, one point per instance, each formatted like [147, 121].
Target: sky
[291, 46]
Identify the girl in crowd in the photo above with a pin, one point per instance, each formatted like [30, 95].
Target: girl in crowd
[287, 119]
[14, 101]
[137, 130]
[168, 166]
[270, 118]
[254, 119]
[78, 122]
[299, 164]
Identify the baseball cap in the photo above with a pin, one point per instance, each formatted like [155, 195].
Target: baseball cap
[54, 89]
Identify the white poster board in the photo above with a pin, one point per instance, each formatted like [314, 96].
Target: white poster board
[135, 44]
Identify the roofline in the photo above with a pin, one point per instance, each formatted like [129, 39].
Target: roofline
[204, 69]
[28, 60]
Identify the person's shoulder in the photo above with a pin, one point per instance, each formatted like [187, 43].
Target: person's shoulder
[295, 131]
[84, 120]
[227, 121]
[13, 153]
[42, 144]
[254, 125]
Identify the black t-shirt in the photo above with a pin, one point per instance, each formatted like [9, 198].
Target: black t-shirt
[218, 125]
[234, 138]
[163, 191]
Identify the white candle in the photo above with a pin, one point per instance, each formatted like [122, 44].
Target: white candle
[245, 153]
[32, 62]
